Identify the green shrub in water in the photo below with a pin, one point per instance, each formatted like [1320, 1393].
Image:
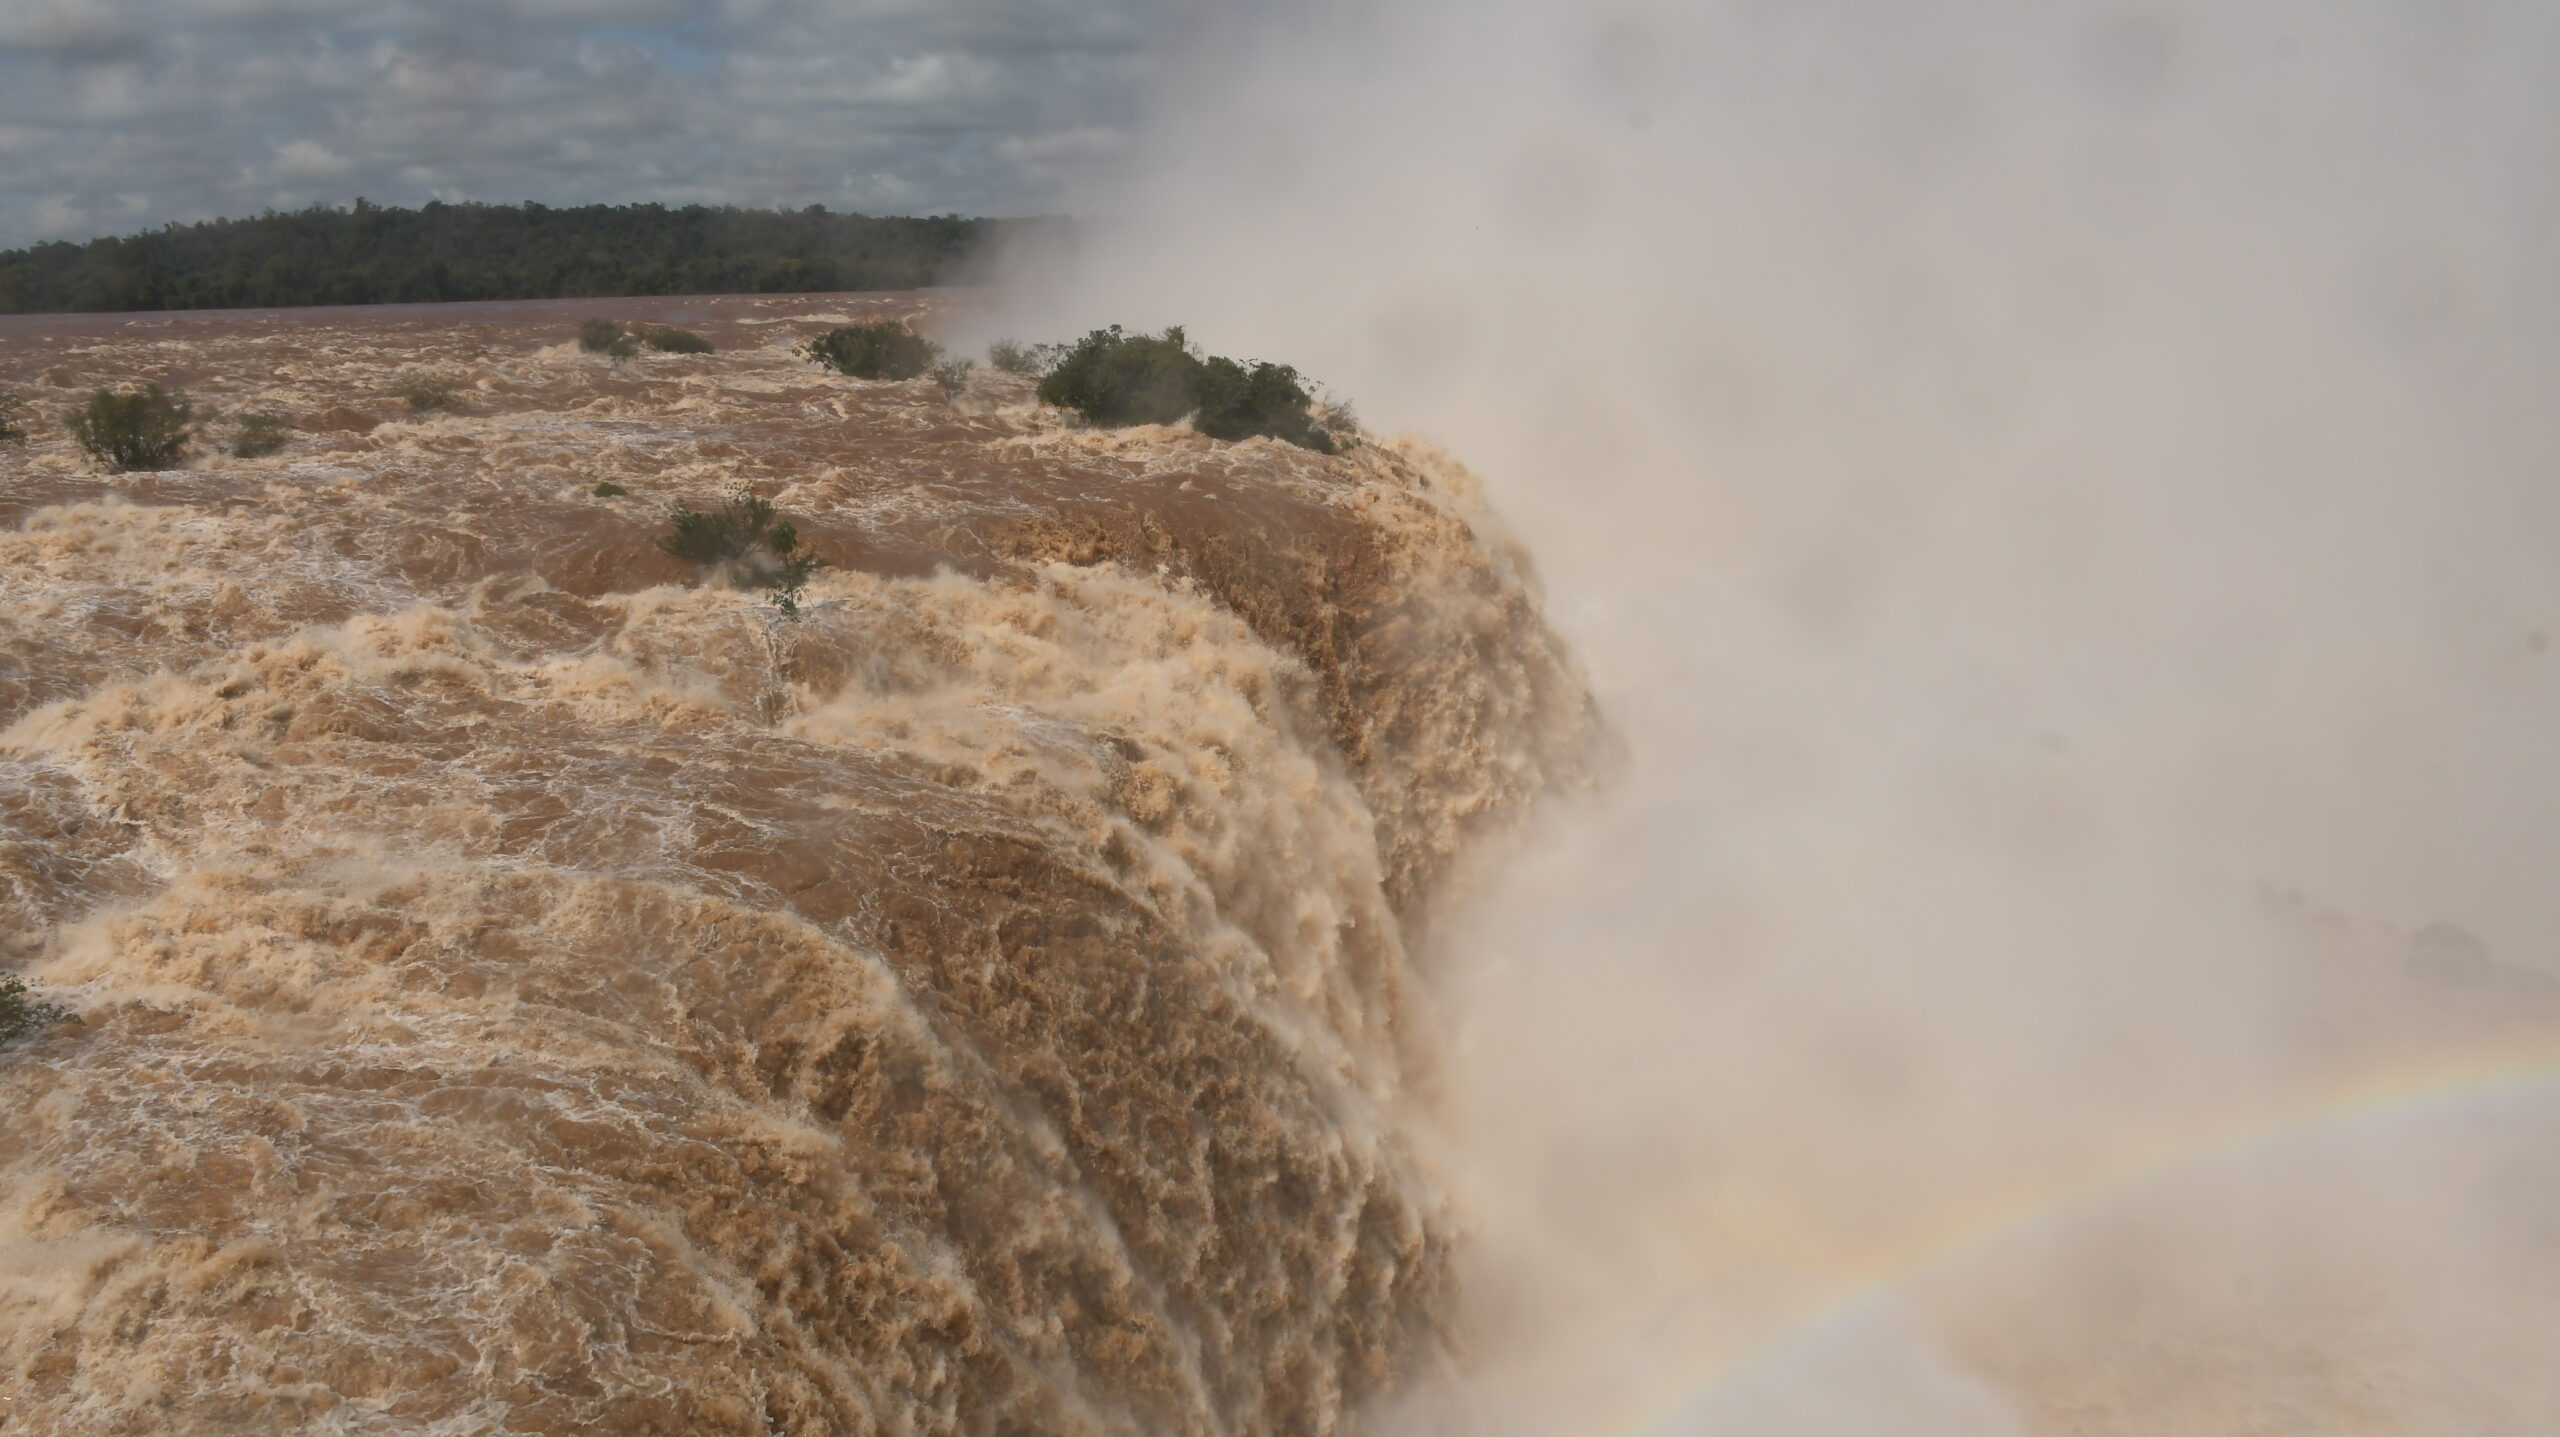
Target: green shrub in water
[427, 393]
[133, 429]
[259, 435]
[883, 349]
[1012, 356]
[744, 542]
[19, 1017]
[1114, 378]
[607, 337]
[675, 341]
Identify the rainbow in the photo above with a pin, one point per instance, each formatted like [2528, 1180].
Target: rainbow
[2411, 1087]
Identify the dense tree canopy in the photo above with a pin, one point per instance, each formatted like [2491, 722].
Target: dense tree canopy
[377, 255]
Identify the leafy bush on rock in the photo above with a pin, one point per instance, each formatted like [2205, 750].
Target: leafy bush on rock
[19, 1017]
[745, 543]
[882, 349]
[427, 393]
[668, 340]
[1012, 356]
[259, 435]
[13, 419]
[133, 429]
[607, 337]
[1113, 378]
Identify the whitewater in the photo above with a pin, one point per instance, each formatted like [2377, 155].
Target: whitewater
[521, 988]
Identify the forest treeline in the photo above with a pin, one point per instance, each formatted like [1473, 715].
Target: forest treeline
[374, 254]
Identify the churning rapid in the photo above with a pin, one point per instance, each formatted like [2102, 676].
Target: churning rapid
[523, 991]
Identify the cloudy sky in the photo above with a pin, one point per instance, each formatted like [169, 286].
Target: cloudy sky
[121, 114]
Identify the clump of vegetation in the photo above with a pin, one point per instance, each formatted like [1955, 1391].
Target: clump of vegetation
[427, 393]
[791, 573]
[882, 349]
[740, 527]
[1334, 417]
[19, 1017]
[13, 419]
[1012, 356]
[607, 337]
[1239, 401]
[133, 429]
[260, 434]
[1113, 379]
[953, 376]
[669, 340]
[744, 542]
[608, 490]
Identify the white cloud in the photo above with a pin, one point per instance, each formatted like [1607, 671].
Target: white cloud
[1057, 155]
[56, 217]
[1049, 147]
[72, 30]
[308, 159]
[985, 106]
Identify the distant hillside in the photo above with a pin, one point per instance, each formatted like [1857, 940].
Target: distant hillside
[376, 255]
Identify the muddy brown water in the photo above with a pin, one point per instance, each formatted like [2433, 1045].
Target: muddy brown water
[526, 988]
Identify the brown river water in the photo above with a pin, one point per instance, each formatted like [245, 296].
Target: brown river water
[523, 990]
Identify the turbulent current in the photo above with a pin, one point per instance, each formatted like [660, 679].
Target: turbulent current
[522, 989]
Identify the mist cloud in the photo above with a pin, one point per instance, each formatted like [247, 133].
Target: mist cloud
[2056, 497]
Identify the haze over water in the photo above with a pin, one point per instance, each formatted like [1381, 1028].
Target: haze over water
[2055, 500]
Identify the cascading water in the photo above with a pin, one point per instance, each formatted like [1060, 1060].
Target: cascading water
[521, 992]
